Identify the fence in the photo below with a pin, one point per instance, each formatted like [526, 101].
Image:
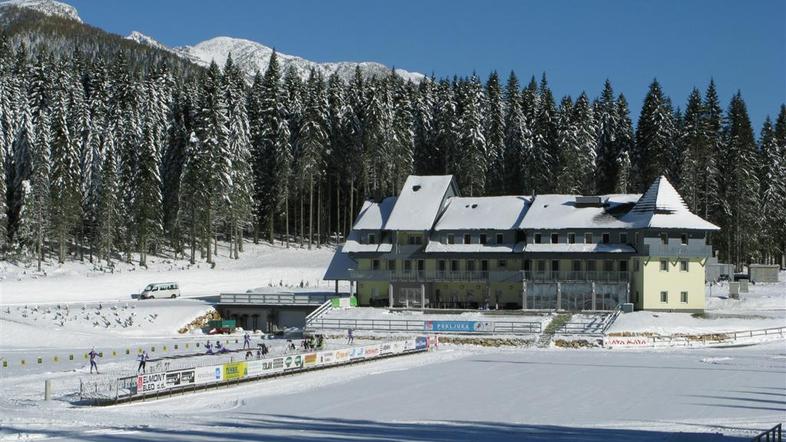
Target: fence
[774, 434]
[183, 380]
[711, 339]
[275, 298]
[419, 326]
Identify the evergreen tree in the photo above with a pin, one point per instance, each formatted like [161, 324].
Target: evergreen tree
[692, 141]
[607, 120]
[495, 136]
[472, 142]
[654, 138]
[586, 143]
[545, 157]
[107, 202]
[518, 140]
[624, 145]
[313, 140]
[712, 120]
[424, 131]
[402, 142]
[147, 192]
[772, 195]
[569, 179]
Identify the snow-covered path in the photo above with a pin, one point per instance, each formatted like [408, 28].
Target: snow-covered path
[458, 393]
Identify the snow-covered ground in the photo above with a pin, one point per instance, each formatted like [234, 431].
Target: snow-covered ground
[260, 265]
[455, 393]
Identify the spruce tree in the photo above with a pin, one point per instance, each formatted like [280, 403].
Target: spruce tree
[312, 142]
[402, 142]
[586, 143]
[772, 194]
[147, 192]
[495, 136]
[708, 163]
[472, 142]
[654, 138]
[107, 201]
[607, 121]
[569, 179]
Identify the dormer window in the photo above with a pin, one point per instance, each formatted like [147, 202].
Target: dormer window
[587, 238]
[372, 238]
[571, 238]
[451, 238]
[684, 239]
[483, 238]
[605, 238]
[537, 238]
[500, 238]
[467, 239]
[555, 238]
[664, 238]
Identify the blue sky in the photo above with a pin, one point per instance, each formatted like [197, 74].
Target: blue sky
[741, 44]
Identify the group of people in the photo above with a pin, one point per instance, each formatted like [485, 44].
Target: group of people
[219, 348]
[314, 342]
[262, 350]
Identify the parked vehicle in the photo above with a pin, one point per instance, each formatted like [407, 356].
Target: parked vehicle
[160, 290]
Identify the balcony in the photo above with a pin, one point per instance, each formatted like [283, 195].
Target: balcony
[696, 248]
[484, 276]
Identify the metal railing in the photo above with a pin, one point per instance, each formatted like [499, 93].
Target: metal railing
[275, 299]
[774, 434]
[404, 325]
[714, 338]
[322, 309]
[694, 248]
[487, 276]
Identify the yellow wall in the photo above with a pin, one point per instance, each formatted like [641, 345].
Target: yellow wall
[365, 291]
[654, 281]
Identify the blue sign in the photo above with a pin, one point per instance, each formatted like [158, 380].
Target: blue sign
[453, 326]
[421, 342]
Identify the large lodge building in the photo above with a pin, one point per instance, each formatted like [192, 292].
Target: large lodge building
[429, 247]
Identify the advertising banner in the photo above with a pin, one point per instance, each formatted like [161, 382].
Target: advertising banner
[409, 344]
[386, 348]
[326, 357]
[372, 351]
[208, 375]
[150, 383]
[457, 326]
[626, 341]
[421, 342]
[126, 386]
[264, 366]
[343, 355]
[294, 361]
[309, 360]
[234, 370]
[179, 378]
[358, 353]
[397, 347]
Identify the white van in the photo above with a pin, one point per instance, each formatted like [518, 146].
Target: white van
[160, 290]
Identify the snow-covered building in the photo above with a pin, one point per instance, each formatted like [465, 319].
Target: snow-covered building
[430, 247]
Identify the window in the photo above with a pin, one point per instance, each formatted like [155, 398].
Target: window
[684, 297]
[454, 265]
[683, 265]
[407, 265]
[526, 265]
[664, 265]
[451, 238]
[608, 265]
[537, 238]
[391, 264]
[502, 264]
[421, 265]
[374, 264]
[521, 236]
[623, 266]
[483, 238]
[541, 266]
[415, 240]
[555, 266]
[372, 238]
[684, 239]
[591, 265]
[664, 297]
[664, 238]
[484, 266]
[500, 238]
[571, 238]
[605, 238]
[441, 265]
[467, 238]
[588, 238]
[623, 238]
[470, 265]
[554, 238]
[576, 265]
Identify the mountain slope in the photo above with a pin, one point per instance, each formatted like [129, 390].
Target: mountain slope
[46, 7]
[251, 57]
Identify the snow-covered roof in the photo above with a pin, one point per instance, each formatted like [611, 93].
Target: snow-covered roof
[557, 212]
[580, 248]
[662, 207]
[421, 200]
[438, 247]
[489, 212]
[338, 269]
[374, 215]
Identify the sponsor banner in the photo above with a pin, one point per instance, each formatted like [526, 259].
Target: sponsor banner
[409, 344]
[150, 383]
[326, 357]
[398, 347]
[627, 341]
[457, 326]
[180, 378]
[309, 359]
[372, 351]
[343, 355]
[358, 353]
[208, 375]
[264, 366]
[127, 386]
[386, 348]
[234, 370]
[421, 342]
[294, 361]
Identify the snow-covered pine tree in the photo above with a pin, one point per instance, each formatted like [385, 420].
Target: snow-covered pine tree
[213, 134]
[402, 141]
[624, 141]
[606, 119]
[472, 164]
[424, 128]
[147, 189]
[544, 163]
[739, 185]
[692, 141]
[518, 139]
[313, 140]
[445, 127]
[39, 208]
[106, 195]
[772, 195]
[654, 138]
[194, 192]
[97, 106]
[709, 163]
[377, 137]
[623, 176]
[569, 179]
[65, 210]
[494, 131]
[339, 157]
[586, 143]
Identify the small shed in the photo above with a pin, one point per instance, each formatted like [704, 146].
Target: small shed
[763, 272]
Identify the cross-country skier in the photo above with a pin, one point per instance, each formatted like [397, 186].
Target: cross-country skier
[142, 361]
[93, 364]
[247, 341]
[350, 338]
